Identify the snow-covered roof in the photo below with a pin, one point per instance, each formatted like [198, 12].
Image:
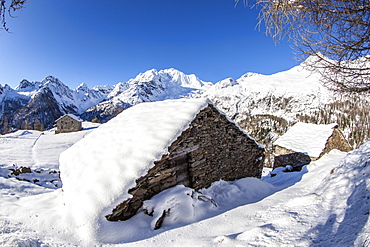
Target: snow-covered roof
[306, 138]
[71, 116]
[98, 170]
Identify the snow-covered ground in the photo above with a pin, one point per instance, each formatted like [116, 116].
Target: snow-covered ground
[38, 151]
[326, 204]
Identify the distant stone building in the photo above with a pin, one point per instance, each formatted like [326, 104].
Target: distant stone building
[209, 149]
[310, 140]
[68, 123]
[295, 161]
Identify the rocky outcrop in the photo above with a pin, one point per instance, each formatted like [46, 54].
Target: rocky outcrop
[48, 178]
[210, 149]
[104, 111]
[40, 113]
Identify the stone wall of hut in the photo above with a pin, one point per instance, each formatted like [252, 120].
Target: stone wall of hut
[335, 141]
[67, 124]
[212, 148]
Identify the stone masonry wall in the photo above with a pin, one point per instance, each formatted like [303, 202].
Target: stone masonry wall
[335, 141]
[212, 148]
[67, 124]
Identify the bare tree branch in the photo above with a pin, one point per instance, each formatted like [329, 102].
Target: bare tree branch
[335, 32]
[7, 7]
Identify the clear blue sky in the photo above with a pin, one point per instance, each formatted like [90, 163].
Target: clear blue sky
[106, 42]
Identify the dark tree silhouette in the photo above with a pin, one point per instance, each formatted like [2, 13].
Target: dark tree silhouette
[7, 7]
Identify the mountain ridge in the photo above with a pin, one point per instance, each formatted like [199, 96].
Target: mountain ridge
[264, 105]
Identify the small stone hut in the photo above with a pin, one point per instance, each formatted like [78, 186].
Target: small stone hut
[68, 123]
[152, 147]
[211, 148]
[311, 140]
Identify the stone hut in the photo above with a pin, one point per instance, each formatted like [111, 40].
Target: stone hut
[310, 140]
[156, 146]
[68, 123]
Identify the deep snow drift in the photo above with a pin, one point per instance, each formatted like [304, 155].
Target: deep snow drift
[98, 171]
[326, 204]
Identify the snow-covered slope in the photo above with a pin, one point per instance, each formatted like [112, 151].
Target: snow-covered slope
[326, 204]
[38, 152]
[297, 88]
[86, 97]
[36, 149]
[267, 105]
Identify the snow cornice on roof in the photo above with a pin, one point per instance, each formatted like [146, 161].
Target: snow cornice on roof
[113, 156]
[307, 138]
[74, 117]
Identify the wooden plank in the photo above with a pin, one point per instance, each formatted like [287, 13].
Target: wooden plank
[183, 152]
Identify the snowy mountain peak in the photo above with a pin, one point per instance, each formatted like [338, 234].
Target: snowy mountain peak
[4, 88]
[191, 81]
[105, 89]
[168, 77]
[3, 91]
[82, 87]
[26, 85]
[118, 89]
[221, 87]
[295, 82]
[45, 101]
[146, 76]
[249, 74]
[51, 79]
[152, 85]
[228, 82]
